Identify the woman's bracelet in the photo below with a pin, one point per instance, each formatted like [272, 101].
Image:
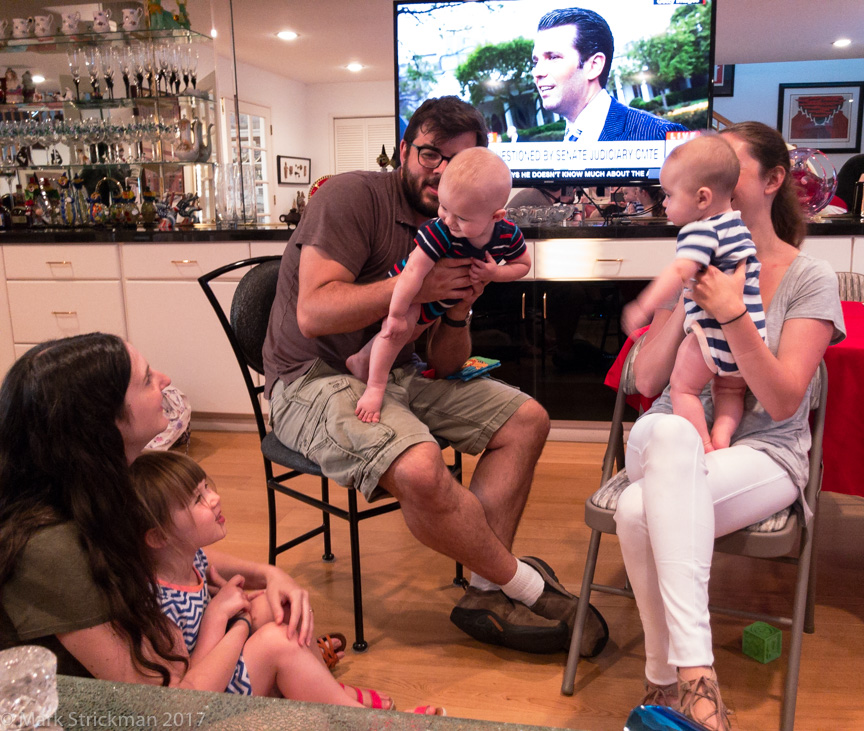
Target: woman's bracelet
[239, 618]
[729, 322]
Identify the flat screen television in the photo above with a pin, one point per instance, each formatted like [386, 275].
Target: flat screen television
[484, 52]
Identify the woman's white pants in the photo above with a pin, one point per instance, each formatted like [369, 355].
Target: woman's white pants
[678, 501]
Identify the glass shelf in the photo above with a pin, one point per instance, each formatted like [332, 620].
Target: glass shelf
[8, 172]
[52, 104]
[49, 44]
[77, 127]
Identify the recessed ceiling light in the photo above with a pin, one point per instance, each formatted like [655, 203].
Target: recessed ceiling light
[842, 43]
[287, 35]
[355, 67]
[214, 33]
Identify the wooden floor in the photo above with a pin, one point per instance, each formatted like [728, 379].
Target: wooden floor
[416, 655]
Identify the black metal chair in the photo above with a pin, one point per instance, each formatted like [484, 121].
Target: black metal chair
[246, 327]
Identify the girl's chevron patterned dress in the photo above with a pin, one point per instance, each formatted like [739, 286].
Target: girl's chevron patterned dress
[185, 605]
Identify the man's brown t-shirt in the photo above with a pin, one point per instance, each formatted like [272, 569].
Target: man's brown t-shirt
[362, 221]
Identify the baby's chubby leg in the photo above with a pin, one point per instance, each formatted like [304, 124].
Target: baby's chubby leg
[728, 393]
[689, 376]
[385, 347]
[358, 364]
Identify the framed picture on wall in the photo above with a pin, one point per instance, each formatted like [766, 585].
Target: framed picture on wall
[825, 116]
[723, 82]
[293, 170]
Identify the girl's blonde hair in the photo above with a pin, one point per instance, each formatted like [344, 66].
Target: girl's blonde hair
[165, 482]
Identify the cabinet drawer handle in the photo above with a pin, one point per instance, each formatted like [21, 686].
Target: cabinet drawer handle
[609, 261]
[544, 305]
[68, 313]
[184, 261]
[59, 263]
[523, 305]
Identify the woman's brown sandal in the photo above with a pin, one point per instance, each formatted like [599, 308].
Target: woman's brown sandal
[661, 695]
[690, 692]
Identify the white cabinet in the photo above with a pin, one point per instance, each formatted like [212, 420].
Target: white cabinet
[58, 291]
[47, 310]
[267, 248]
[858, 254]
[601, 259]
[171, 322]
[7, 344]
[836, 250]
[179, 261]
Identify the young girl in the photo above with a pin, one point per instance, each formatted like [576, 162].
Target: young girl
[229, 636]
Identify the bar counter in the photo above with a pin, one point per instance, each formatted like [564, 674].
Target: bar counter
[635, 229]
[87, 703]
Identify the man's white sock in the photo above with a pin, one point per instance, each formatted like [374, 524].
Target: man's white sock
[478, 582]
[526, 586]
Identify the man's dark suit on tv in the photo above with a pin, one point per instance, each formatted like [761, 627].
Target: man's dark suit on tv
[626, 123]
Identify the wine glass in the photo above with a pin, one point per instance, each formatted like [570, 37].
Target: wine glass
[175, 70]
[138, 55]
[75, 69]
[185, 63]
[163, 58]
[91, 61]
[56, 136]
[150, 65]
[193, 68]
[109, 61]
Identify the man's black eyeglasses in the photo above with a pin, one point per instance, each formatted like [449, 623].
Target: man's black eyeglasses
[429, 157]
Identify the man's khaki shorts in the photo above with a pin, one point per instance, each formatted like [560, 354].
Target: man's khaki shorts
[314, 415]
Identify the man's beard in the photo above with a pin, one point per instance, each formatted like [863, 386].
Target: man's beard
[413, 187]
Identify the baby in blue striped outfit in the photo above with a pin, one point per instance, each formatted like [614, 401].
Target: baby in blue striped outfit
[698, 180]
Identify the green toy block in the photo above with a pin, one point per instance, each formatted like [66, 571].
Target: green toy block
[762, 642]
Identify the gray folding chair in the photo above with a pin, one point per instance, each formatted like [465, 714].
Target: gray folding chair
[781, 537]
[851, 286]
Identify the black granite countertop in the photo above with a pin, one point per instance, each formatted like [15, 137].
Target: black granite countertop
[106, 705]
[113, 236]
[836, 226]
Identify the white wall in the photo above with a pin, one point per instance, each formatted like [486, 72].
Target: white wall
[757, 88]
[349, 99]
[302, 115]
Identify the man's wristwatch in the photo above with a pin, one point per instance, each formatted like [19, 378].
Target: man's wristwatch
[450, 322]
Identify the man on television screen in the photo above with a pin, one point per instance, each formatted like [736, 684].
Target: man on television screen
[572, 57]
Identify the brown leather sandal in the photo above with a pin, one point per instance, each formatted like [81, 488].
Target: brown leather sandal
[329, 650]
[691, 692]
[661, 695]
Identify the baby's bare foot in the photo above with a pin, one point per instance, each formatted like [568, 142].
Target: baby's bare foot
[369, 405]
[358, 364]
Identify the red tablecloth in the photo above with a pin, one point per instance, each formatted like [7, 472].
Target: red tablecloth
[843, 443]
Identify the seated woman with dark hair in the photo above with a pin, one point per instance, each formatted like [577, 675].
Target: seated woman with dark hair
[74, 573]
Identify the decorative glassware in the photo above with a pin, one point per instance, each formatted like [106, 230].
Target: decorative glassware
[193, 67]
[816, 178]
[109, 63]
[91, 61]
[28, 687]
[75, 69]
[139, 54]
[175, 70]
